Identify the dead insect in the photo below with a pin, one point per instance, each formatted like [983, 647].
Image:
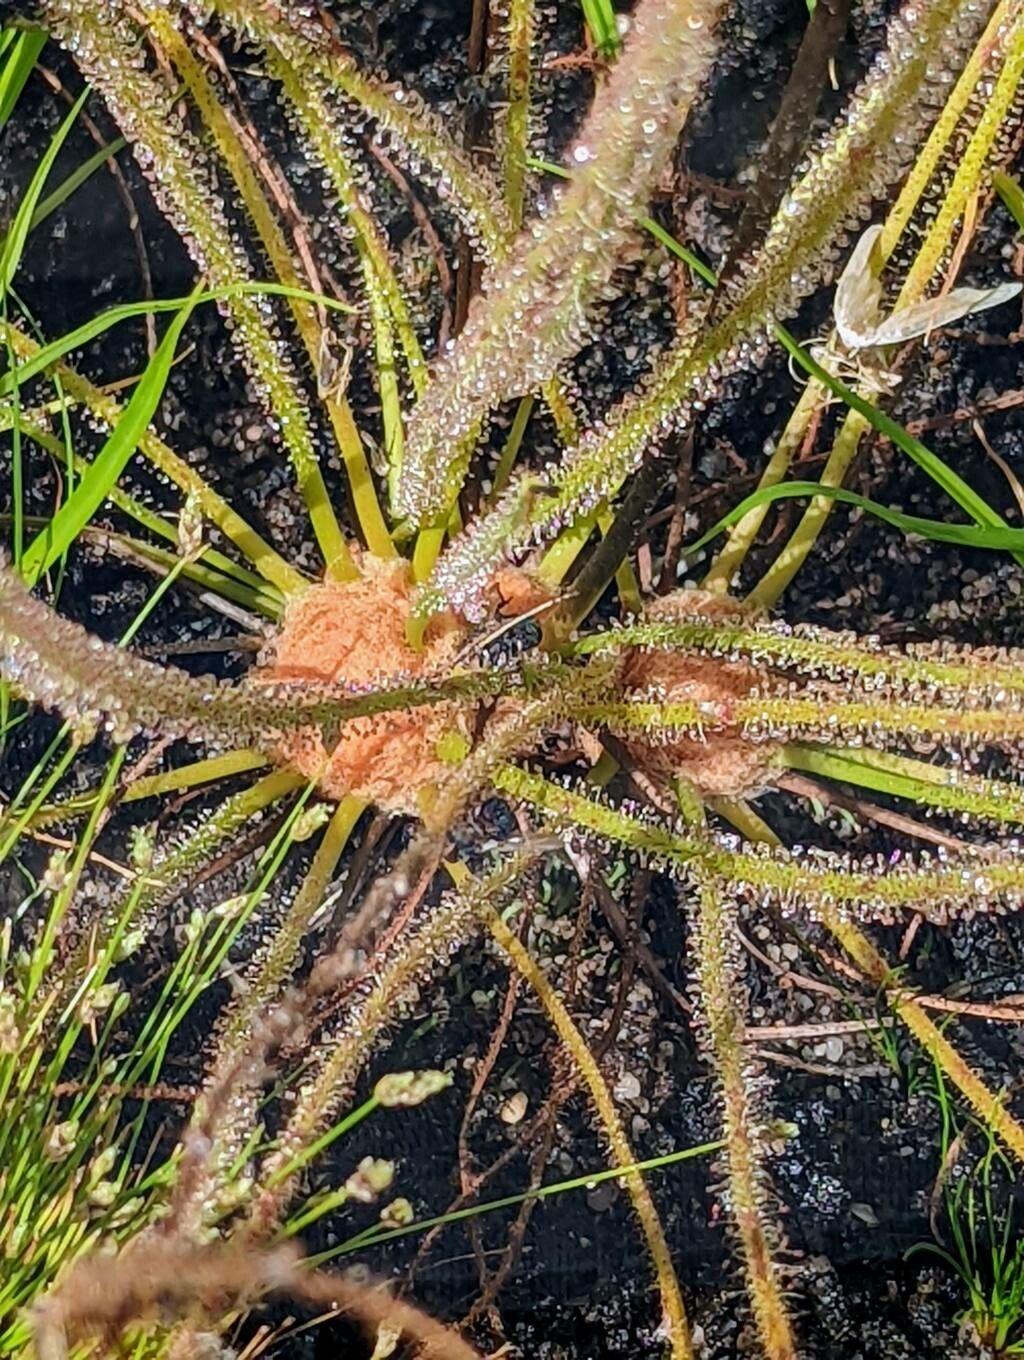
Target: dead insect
[858, 304]
[862, 328]
[333, 371]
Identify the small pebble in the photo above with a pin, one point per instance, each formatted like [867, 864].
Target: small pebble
[627, 1087]
[514, 1108]
[865, 1213]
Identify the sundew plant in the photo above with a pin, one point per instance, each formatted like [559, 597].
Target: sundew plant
[488, 612]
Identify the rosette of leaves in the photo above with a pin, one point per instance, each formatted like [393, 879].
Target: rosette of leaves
[379, 684]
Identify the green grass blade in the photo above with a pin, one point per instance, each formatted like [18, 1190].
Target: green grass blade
[375, 1234]
[17, 477]
[64, 450]
[75, 180]
[14, 243]
[81, 335]
[999, 537]
[937, 469]
[604, 31]
[863, 768]
[110, 462]
[156, 524]
[21, 50]
[703, 271]
[1012, 194]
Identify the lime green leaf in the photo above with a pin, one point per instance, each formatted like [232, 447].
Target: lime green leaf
[993, 537]
[20, 48]
[57, 349]
[110, 462]
[1012, 194]
[14, 242]
[604, 30]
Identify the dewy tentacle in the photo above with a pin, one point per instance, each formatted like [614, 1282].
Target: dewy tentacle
[938, 886]
[866, 150]
[792, 716]
[412, 132]
[721, 1006]
[107, 46]
[58, 664]
[971, 677]
[533, 312]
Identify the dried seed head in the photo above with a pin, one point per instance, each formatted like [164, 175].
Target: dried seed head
[309, 822]
[190, 528]
[10, 1033]
[371, 1178]
[98, 1001]
[411, 1088]
[60, 1141]
[398, 1214]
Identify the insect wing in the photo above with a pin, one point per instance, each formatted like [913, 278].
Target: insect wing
[921, 317]
[858, 300]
